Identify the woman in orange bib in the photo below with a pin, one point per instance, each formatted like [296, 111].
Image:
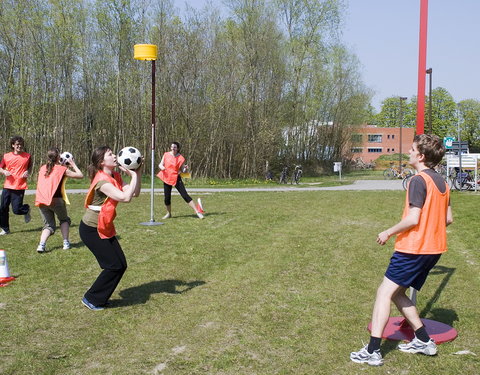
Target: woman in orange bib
[51, 197]
[96, 228]
[171, 164]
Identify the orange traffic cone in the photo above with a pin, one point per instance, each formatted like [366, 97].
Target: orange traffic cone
[5, 277]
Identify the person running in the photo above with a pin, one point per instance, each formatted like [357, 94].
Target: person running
[97, 230]
[51, 198]
[171, 164]
[421, 240]
[16, 166]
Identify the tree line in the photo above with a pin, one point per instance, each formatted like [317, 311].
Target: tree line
[269, 82]
[448, 117]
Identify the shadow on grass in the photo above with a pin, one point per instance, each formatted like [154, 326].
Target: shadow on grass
[141, 294]
[194, 215]
[442, 315]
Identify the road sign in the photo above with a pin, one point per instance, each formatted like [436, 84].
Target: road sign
[448, 142]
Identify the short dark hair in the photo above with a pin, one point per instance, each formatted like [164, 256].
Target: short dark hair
[15, 139]
[176, 144]
[431, 146]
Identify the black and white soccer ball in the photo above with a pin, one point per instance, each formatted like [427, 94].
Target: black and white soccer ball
[65, 158]
[129, 158]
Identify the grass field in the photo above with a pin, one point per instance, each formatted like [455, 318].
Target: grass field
[267, 283]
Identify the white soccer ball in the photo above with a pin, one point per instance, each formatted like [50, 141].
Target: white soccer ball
[65, 157]
[129, 158]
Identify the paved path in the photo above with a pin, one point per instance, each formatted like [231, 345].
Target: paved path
[357, 185]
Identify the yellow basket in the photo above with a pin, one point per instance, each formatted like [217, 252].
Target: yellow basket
[185, 175]
[146, 52]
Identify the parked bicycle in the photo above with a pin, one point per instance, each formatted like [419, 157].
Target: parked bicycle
[297, 174]
[464, 180]
[396, 172]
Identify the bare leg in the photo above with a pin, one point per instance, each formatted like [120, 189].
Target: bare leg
[44, 236]
[407, 309]
[169, 211]
[381, 308]
[192, 204]
[65, 229]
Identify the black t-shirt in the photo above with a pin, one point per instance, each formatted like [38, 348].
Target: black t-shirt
[417, 188]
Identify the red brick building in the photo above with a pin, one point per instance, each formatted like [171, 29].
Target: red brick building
[370, 142]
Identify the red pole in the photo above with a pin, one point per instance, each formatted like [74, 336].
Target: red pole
[422, 65]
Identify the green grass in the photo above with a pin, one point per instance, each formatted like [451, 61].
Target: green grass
[324, 180]
[268, 283]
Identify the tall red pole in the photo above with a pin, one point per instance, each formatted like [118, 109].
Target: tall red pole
[422, 65]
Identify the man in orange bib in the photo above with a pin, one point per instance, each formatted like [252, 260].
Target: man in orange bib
[421, 240]
[16, 167]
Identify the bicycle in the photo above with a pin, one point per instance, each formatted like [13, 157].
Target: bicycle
[464, 180]
[297, 174]
[284, 175]
[395, 172]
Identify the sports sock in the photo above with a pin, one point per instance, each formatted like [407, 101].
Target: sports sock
[422, 334]
[374, 344]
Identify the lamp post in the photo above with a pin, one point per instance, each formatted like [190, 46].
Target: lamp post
[402, 99]
[429, 72]
[148, 52]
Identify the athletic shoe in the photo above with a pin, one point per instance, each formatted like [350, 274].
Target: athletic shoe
[167, 216]
[90, 306]
[41, 249]
[363, 356]
[200, 206]
[4, 232]
[66, 245]
[27, 217]
[418, 346]
[200, 216]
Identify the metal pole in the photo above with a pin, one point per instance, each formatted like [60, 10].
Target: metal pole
[402, 98]
[152, 170]
[152, 165]
[422, 62]
[459, 176]
[429, 72]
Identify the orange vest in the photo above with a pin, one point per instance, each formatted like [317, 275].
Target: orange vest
[17, 165]
[429, 236]
[172, 164]
[107, 214]
[47, 185]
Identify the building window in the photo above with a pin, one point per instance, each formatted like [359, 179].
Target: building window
[388, 136]
[393, 150]
[393, 136]
[356, 138]
[376, 149]
[388, 150]
[375, 138]
[356, 150]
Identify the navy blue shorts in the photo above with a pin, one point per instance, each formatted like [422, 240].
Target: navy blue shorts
[409, 270]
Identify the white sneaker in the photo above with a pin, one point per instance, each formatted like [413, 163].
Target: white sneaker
[363, 356]
[200, 216]
[41, 248]
[66, 245]
[4, 232]
[418, 346]
[167, 216]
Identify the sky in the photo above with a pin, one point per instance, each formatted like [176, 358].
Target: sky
[384, 35]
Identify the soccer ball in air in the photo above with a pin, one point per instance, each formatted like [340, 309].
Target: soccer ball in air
[65, 157]
[129, 158]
